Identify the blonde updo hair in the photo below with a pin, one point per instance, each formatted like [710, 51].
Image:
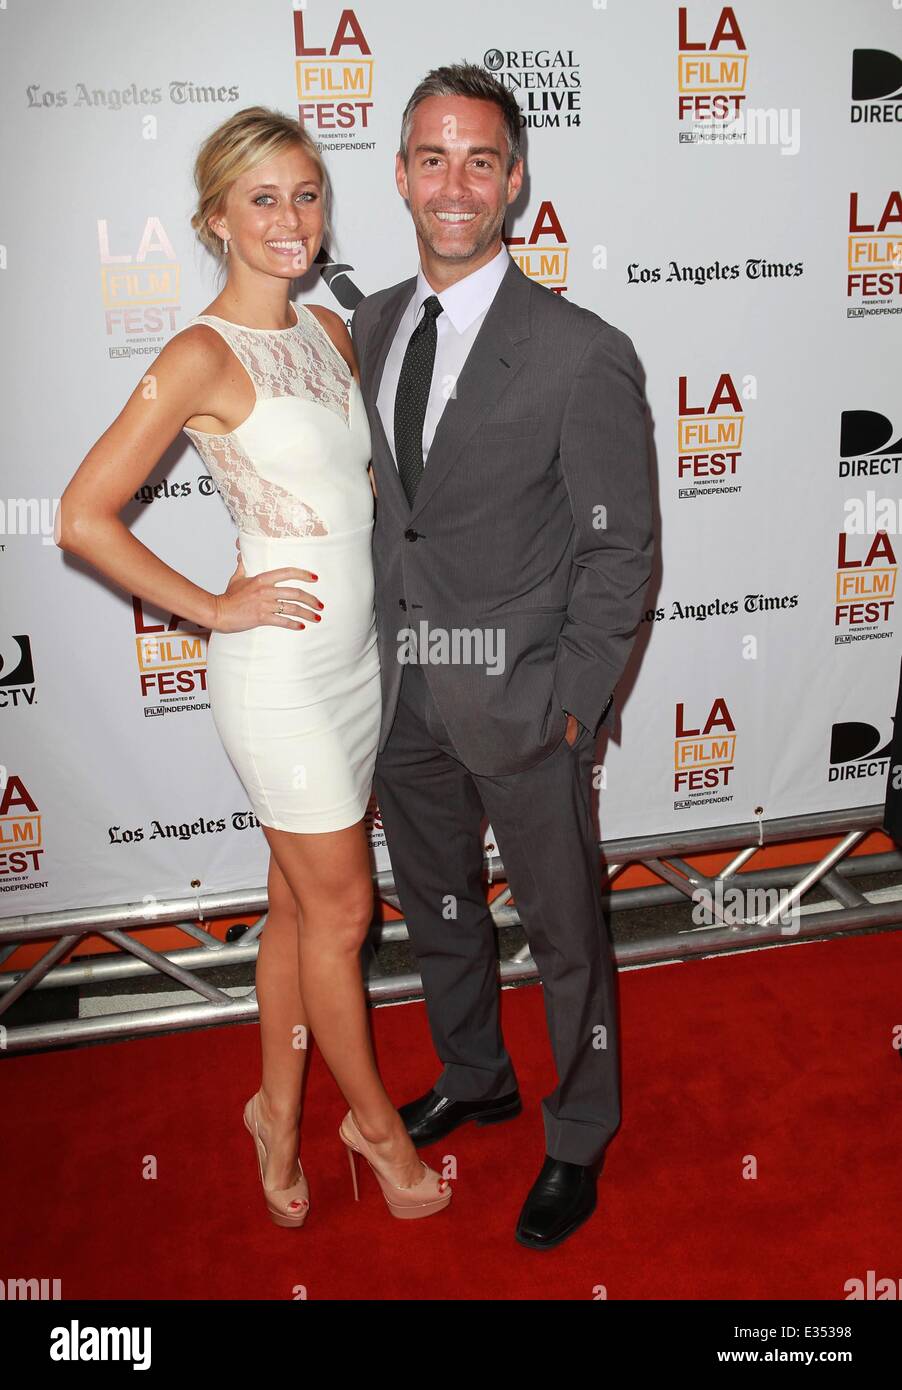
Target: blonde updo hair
[240, 143]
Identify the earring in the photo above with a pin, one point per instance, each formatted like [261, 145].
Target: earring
[225, 246]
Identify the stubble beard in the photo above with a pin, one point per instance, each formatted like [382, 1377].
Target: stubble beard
[475, 248]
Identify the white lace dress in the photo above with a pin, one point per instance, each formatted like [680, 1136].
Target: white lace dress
[298, 710]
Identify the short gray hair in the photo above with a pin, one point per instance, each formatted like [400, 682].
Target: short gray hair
[466, 80]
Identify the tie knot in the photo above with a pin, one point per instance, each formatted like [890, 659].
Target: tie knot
[431, 307]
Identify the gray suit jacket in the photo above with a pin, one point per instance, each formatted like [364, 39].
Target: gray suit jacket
[530, 538]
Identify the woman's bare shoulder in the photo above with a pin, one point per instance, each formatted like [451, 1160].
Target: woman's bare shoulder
[197, 350]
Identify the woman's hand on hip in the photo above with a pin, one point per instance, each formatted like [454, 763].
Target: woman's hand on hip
[254, 602]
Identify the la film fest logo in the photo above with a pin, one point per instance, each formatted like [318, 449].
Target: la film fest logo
[172, 663]
[874, 250]
[704, 754]
[21, 834]
[547, 84]
[860, 752]
[544, 253]
[334, 77]
[140, 287]
[712, 77]
[865, 583]
[712, 70]
[16, 671]
[876, 86]
[710, 435]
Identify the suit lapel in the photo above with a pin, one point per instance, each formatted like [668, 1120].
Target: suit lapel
[371, 369]
[497, 354]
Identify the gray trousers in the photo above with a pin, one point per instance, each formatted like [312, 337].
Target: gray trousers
[432, 810]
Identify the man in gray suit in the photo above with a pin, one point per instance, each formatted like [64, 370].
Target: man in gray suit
[512, 549]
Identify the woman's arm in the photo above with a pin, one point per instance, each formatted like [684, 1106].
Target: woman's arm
[180, 384]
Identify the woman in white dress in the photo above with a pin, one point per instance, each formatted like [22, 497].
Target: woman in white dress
[269, 395]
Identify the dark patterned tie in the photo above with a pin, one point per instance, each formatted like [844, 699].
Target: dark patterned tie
[412, 397]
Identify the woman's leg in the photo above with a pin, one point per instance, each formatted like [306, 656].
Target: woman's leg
[330, 877]
[284, 1032]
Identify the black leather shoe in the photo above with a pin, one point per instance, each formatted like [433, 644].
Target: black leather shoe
[562, 1197]
[433, 1116]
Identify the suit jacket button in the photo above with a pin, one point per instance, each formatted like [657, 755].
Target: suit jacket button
[402, 603]
[410, 534]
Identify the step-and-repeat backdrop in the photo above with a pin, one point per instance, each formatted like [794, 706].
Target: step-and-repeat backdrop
[721, 182]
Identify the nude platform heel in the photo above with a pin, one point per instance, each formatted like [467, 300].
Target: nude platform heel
[287, 1206]
[407, 1203]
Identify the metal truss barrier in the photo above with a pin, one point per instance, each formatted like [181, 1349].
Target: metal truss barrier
[846, 910]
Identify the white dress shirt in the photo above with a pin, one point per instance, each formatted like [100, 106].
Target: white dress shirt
[464, 306]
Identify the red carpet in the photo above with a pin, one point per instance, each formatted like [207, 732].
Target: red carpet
[783, 1054]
